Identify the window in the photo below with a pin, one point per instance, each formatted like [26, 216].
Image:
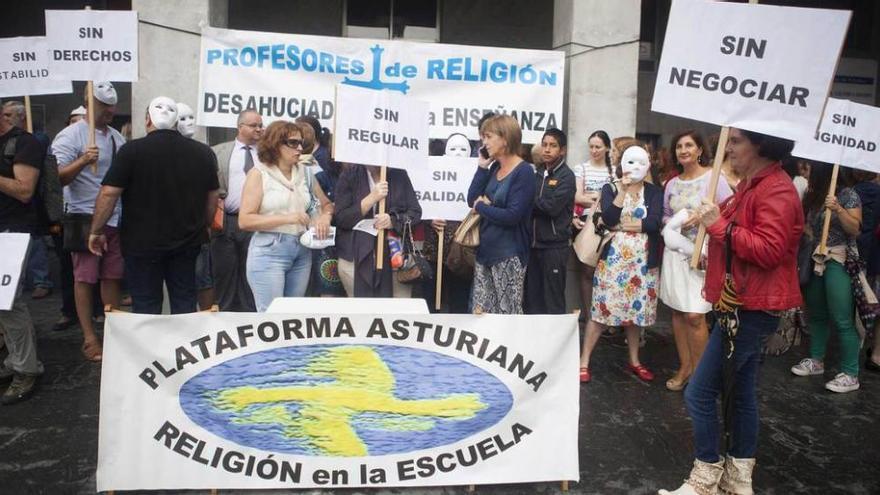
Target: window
[414, 20]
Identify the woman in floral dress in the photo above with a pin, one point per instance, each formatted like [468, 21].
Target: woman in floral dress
[625, 283]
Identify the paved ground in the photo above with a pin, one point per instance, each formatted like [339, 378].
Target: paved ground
[634, 437]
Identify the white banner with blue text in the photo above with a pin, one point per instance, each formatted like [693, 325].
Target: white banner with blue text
[233, 400]
[284, 76]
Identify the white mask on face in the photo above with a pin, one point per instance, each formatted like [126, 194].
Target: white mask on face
[186, 120]
[163, 112]
[636, 163]
[105, 92]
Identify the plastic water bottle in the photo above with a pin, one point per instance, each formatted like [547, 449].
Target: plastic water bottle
[395, 250]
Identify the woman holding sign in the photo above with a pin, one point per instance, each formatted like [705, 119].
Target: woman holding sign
[502, 192]
[681, 286]
[278, 203]
[358, 193]
[828, 293]
[751, 274]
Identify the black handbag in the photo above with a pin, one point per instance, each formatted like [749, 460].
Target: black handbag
[416, 267]
[77, 227]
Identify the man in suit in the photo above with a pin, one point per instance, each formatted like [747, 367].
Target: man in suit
[229, 247]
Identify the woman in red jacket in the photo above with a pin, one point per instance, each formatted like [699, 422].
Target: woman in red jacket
[761, 225]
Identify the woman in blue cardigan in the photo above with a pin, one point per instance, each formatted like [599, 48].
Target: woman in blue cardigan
[625, 281]
[502, 191]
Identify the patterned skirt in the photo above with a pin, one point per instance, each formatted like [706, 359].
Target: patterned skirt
[624, 289]
[499, 288]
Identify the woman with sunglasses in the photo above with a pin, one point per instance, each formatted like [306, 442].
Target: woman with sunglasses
[280, 200]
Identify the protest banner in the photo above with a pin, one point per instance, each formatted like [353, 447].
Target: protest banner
[755, 67]
[93, 45]
[441, 186]
[764, 71]
[24, 68]
[14, 248]
[284, 76]
[236, 401]
[380, 128]
[848, 135]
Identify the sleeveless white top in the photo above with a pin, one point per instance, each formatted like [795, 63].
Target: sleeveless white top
[282, 196]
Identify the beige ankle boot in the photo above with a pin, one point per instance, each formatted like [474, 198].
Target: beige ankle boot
[737, 477]
[703, 480]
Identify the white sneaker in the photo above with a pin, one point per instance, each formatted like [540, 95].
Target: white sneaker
[843, 383]
[808, 367]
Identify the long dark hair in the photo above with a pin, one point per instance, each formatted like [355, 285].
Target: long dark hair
[704, 158]
[603, 136]
[820, 181]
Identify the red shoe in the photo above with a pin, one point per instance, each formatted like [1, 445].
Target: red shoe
[585, 375]
[640, 371]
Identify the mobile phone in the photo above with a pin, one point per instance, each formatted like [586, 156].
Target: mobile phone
[484, 153]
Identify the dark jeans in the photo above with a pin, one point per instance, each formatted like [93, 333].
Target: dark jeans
[545, 281]
[456, 292]
[68, 304]
[229, 259]
[176, 269]
[705, 387]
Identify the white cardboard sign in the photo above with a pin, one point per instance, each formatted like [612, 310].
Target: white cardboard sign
[24, 68]
[442, 186]
[758, 67]
[14, 248]
[317, 400]
[380, 128]
[93, 45]
[849, 135]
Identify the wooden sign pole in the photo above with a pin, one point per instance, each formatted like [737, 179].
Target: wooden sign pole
[28, 116]
[713, 185]
[380, 237]
[90, 96]
[90, 105]
[823, 248]
[438, 297]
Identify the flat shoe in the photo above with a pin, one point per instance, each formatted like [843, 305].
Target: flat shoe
[870, 365]
[585, 375]
[641, 371]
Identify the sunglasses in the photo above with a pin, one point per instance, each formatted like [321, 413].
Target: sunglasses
[293, 143]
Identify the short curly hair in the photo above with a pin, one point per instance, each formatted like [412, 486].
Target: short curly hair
[269, 146]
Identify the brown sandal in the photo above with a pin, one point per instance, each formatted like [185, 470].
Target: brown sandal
[92, 350]
[677, 384]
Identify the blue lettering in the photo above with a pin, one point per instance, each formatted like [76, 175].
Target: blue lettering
[277, 55]
[498, 72]
[247, 57]
[468, 75]
[262, 54]
[309, 60]
[214, 55]
[453, 69]
[435, 69]
[409, 71]
[292, 57]
[341, 65]
[229, 57]
[548, 78]
[326, 62]
[357, 67]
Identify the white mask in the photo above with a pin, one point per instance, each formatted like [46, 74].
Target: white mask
[636, 163]
[457, 145]
[186, 120]
[163, 112]
[104, 92]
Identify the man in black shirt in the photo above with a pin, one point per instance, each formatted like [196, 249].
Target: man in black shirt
[551, 228]
[19, 172]
[168, 185]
